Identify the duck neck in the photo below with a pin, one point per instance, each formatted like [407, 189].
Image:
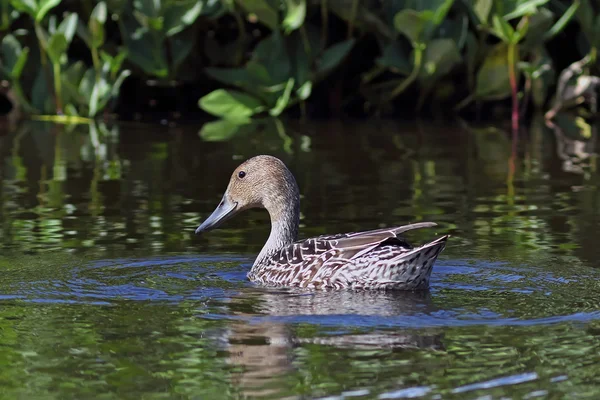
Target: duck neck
[285, 221]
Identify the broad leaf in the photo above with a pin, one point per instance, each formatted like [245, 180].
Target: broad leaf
[57, 47]
[96, 25]
[13, 56]
[440, 56]
[68, 27]
[492, 79]
[27, 6]
[411, 24]
[180, 15]
[295, 12]
[482, 9]
[272, 53]
[99, 12]
[230, 104]
[502, 29]
[334, 55]
[43, 7]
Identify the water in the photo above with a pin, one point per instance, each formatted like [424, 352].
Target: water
[106, 293]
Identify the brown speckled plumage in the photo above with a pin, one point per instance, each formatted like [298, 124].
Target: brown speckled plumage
[377, 259]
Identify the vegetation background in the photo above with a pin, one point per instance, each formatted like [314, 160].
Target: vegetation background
[239, 60]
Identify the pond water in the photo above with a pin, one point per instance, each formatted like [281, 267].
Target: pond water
[105, 291]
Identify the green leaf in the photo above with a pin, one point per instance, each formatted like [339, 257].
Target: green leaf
[304, 91]
[272, 53]
[439, 58]
[300, 59]
[334, 55]
[524, 7]
[539, 24]
[482, 10]
[149, 8]
[14, 56]
[27, 6]
[57, 47]
[116, 86]
[263, 11]
[283, 100]
[43, 7]
[68, 26]
[99, 93]
[86, 86]
[40, 98]
[180, 15]
[562, 21]
[230, 104]
[295, 12]
[144, 51]
[96, 29]
[502, 29]
[492, 78]
[99, 12]
[221, 130]
[411, 24]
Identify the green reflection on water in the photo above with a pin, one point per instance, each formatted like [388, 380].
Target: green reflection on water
[513, 309]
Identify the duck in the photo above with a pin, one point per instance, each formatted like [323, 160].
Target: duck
[367, 260]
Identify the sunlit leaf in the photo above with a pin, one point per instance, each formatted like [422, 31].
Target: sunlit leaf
[230, 104]
[295, 12]
[68, 26]
[180, 15]
[482, 9]
[100, 90]
[522, 7]
[502, 29]
[28, 6]
[283, 100]
[99, 12]
[43, 7]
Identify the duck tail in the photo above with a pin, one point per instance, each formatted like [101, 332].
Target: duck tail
[429, 250]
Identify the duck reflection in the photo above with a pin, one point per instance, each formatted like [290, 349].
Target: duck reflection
[263, 341]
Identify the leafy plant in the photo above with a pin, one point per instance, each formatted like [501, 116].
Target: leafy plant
[158, 36]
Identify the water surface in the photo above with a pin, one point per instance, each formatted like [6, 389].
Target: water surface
[106, 293]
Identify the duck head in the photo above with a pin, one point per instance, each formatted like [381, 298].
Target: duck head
[260, 182]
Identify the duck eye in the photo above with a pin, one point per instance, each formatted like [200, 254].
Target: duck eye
[242, 174]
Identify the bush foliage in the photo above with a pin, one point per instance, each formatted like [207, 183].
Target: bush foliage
[263, 57]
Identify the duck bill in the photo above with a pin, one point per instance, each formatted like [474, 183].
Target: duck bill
[223, 212]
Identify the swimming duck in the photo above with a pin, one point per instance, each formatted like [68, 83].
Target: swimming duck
[375, 259]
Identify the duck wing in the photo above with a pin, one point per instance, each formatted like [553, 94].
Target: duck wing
[355, 244]
[301, 262]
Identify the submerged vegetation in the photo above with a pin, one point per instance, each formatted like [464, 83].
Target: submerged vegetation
[246, 59]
